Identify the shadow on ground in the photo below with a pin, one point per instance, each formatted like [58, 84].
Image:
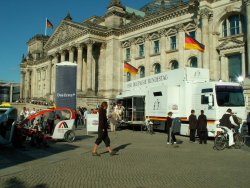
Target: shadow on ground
[16, 182]
[11, 156]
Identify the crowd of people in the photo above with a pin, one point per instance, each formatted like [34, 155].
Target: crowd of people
[197, 125]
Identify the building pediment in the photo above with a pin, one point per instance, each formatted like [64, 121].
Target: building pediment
[190, 27]
[64, 33]
[171, 31]
[230, 43]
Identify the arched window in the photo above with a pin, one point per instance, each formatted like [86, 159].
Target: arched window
[232, 25]
[174, 64]
[157, 68]
[128, 77]
[142, 72]
[193, 62]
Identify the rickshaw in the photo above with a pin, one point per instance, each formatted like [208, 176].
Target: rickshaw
[63, 130]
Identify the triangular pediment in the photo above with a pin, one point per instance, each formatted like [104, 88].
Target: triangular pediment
[154, 36]
[64, 33]
[230, 43]
[139, 40]
[171, 32]
[125, 44]
[190, 27]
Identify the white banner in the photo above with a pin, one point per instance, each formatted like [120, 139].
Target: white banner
[92, 123]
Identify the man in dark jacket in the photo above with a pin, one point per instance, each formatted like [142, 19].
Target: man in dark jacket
[202, 127]
[192, 126]
[168, 125]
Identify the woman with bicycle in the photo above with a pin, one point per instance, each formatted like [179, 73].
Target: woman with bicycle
[227, 121]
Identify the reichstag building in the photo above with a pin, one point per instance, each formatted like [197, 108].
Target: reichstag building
[151, 39]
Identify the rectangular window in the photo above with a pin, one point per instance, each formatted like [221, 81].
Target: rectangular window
[208, 90]
[156, 47]
[157, 94]
[173, 43]
[127, 53]
[141, 50]
[204, 99]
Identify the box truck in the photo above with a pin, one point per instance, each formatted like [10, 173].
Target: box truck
[180, 91]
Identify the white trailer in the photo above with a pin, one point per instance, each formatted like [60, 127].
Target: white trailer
[180, 91]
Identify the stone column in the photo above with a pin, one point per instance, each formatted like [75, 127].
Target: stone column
[205, 15]
[102, 69]
[22, 85]
[243, 65]
[89, 66]
[163, 49]
[71, 54]
[223, 68]
[62, 56]
[27, 95]
[79, 67]
[84, 74]
[53, 74]
[247, 14]
[147, 54]
[49, 76]
[181, 39]
[214, 58]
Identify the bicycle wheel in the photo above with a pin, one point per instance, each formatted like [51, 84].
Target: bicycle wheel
[220, 142]
[69, 136]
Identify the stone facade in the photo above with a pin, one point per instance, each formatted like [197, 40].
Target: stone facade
[152, 41]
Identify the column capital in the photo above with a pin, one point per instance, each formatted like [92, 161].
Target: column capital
[206, 13]
[51, 57]
[132, 41]
[146, 37]
[89, 42]
[179, 27]
[103, 45]
[162, 32]
[79, 46]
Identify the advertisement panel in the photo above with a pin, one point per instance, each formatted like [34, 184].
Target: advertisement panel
[66, 85]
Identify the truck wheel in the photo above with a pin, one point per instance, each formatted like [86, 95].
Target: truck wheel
[69, 136]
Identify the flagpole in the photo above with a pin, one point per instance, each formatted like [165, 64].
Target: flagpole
[46, 27]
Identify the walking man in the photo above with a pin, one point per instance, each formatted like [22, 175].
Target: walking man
[192, 126]
[168, 125]
[202, 127]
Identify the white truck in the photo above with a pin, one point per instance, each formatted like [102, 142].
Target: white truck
[180, 91]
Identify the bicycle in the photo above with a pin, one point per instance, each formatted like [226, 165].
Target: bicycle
[221, 140]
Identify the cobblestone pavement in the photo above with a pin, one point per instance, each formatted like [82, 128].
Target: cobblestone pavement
[142, 161]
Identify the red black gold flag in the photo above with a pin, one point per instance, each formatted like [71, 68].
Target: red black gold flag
[191, 43]
[49, 24]
[129, 68]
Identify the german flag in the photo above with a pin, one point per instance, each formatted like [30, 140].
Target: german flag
[49, 24]
[129, 68]
[192, 44]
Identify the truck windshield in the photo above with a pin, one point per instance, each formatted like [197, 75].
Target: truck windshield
[229, 96]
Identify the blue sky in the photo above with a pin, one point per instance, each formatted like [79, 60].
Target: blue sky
[20, 20]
